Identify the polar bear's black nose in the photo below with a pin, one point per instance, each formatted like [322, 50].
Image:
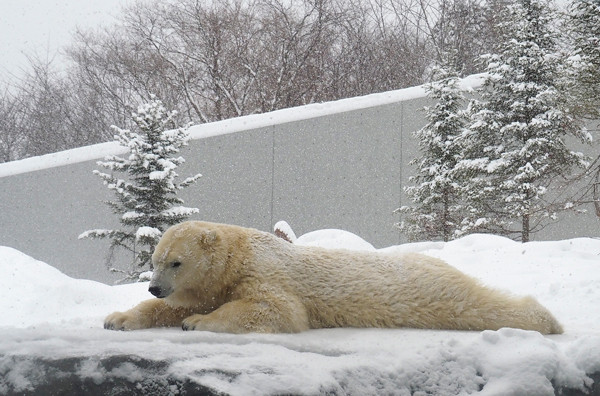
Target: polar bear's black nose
[155, 290]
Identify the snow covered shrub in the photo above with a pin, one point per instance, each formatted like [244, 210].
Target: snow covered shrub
[147, 201]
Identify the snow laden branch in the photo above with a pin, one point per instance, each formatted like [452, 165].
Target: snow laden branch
[144, 184]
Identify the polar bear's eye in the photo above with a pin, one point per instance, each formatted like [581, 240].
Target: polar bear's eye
[176, 264]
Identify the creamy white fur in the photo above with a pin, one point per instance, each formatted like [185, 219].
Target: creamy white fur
[234, 279]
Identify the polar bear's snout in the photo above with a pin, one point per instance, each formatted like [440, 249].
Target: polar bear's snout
[160, 292]
[156, 291]
[158, 288]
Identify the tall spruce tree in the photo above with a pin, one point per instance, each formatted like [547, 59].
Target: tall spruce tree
[437, 211]
[584, 19]
[516, 143]
[146, 198]
[583, 78]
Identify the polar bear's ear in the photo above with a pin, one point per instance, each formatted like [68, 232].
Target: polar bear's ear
[207, 237]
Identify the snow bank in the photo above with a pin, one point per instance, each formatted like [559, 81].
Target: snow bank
[48, 317]
[33, 293]
[332, 239]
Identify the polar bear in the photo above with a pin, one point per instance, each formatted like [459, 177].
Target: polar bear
[225, 278]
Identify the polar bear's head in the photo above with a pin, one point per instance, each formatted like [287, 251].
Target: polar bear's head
[186, 264]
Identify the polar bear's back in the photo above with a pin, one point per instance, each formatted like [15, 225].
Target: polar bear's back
[343, 288]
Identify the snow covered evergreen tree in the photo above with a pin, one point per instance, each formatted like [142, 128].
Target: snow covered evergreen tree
[583, 79]
[437, 211]
[146, 199]
[516, 141]
[585, 25]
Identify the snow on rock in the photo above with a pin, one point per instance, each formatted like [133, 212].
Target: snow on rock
[283, 230]
[518, 362]
[47, 316]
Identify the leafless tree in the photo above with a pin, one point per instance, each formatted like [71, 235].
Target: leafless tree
[224, 59]
[12, 138]
[219, 59]
[43, 98]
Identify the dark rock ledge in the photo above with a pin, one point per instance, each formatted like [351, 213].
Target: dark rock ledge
[130, 375]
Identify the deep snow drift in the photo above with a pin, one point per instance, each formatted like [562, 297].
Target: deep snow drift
[45, 314]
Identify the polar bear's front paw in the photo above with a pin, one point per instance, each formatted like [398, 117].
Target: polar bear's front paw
[193, 322]
[122, 321]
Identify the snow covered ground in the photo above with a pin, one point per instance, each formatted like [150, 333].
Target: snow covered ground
[49, 316]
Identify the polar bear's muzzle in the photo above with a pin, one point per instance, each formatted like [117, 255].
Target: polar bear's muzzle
[158, 291]
[158, 287]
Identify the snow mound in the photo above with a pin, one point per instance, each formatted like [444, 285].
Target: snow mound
[33, 293]
[334, 239]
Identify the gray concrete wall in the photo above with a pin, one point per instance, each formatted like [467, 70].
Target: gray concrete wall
[340, 170]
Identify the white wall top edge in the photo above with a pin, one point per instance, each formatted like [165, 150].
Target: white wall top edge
[232, 125]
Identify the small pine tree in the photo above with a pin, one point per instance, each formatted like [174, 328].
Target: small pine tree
[146, 201]
[516, 142]
[437, 210]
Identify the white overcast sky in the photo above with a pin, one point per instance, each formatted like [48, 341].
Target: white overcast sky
[43, 26]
